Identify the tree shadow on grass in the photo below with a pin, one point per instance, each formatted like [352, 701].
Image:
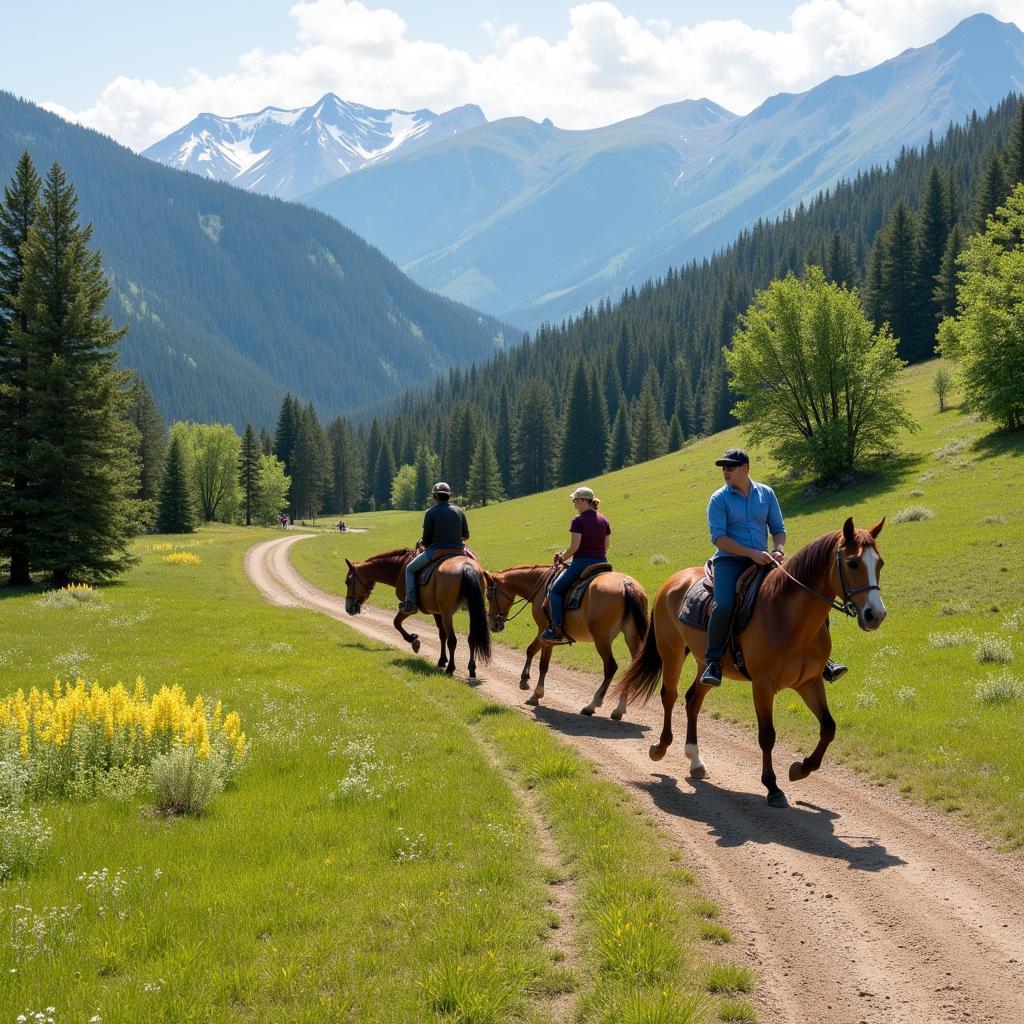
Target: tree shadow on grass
[1000, 442]
[880, 477]
[6, 592]
[735, 819]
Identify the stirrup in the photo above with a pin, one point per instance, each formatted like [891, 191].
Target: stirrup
[554, 635]
[409, 606]
[833, 670]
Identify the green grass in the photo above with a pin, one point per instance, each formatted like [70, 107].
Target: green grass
[908, 714]
[375, 862]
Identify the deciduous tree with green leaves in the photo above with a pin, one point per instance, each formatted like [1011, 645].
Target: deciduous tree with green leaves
[818, 388]
[271, 490]
[987, 335]
[213, 450]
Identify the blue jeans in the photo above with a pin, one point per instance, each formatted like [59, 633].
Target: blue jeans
[565, 579]
[728, 569]
[419, 562]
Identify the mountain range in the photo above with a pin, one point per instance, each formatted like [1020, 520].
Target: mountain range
[287, 153]
[232, 298]
[532, 223]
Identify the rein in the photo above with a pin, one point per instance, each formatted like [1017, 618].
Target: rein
[527, 601]
[846, 605]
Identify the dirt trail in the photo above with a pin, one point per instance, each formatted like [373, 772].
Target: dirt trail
[854, 906]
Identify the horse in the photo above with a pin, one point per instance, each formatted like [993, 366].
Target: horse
[614, 603]
[785, 645]
[455, 584]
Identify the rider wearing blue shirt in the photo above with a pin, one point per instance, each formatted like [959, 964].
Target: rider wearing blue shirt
[741, 514]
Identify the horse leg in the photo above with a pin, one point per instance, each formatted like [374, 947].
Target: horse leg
[764, 698]
[813, 694]
[610, 667]
[545, 660]
[694, 702]
[442, 658]
[410, 638]
[531, 651]
[449, 628]
[672, 665]
[633, 641]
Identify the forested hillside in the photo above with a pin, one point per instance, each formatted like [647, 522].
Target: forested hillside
[647, 372]
[233, 299]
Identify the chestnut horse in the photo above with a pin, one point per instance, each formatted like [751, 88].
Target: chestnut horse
[785, 644]
[614, 603]
[455, 584]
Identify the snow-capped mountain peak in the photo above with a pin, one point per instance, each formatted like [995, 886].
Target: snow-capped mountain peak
[288, 153]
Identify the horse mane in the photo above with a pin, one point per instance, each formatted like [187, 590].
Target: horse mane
[390, 556]
[808, 565]
[532, 565]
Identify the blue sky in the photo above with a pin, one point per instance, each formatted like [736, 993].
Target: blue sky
[139, 71]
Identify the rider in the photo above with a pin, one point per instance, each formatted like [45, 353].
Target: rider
[588, 545]
[740, 513]
[444, 526]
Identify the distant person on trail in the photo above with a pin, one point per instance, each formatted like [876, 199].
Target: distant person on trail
[588, 545]
[444, 526]
[341, 525]
[740, 515]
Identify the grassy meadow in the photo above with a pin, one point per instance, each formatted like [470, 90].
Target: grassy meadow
[933, 702]
[379, 859]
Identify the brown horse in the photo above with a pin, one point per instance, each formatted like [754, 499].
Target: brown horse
[614, 603]
[785, 645]
[455, 584]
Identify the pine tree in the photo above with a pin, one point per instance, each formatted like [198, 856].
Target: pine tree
[371, 456]
[504, 433]
[459, 437]
[17, 214]
[287, 431]
[597, 427]
[266, 441]
[84, 466]
[1013, 162]
[177, 512]
[840, 265]
[145, 416]
[946, 281]
[675, 434]
[932, 235]
[714, 407]
[650, 436]
[534, 461]
[619, 443]
[249, 471]
[383, 474]
[346, 467]
[992, 190]
[427, 470]
[484, 474]
[309, 465]
[575, 461]
[900, 305]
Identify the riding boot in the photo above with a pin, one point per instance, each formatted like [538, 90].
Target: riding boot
[409, 606]
[833, 670]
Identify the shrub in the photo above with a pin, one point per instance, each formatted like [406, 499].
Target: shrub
[74, 595]
[1001, 689]
[658, 560]
[957, 638]
[184, 782]
[953, 448]
[906, 695]
[73, 736]
[913, 514]
[993, 649]
[24, 839]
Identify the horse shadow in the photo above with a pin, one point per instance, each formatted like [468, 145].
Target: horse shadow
[737, 818]
[574, 724]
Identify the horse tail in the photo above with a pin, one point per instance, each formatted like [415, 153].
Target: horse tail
[641, 678]
[636, 606]
[473, 592]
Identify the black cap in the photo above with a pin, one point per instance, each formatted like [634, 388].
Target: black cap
[734, 457]
[441, 488]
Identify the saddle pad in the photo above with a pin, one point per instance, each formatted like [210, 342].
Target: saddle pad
[697, 604]
[423, 577]
[577, 591]
[699, 601]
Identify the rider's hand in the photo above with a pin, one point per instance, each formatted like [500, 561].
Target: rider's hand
[763, 558]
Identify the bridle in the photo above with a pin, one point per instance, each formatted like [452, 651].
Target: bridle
[353, 575]
[846, 605]
[501, 619]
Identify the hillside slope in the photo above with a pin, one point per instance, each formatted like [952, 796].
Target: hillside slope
[234, 299]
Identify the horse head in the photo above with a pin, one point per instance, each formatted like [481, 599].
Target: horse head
[357, 590]
[855, 574]
[499, 603]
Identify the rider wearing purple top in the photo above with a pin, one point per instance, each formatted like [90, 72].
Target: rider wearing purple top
[588, 545]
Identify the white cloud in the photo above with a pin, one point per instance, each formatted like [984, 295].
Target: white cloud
[607, 67]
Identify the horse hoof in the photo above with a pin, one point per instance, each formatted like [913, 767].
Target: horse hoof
[588, 710]
[617, 715]
[656, 753]
[796, 771]
[533, 701]
[524, 683]
[450, 670]
[414, 643]
[777, 799]
[698, 771]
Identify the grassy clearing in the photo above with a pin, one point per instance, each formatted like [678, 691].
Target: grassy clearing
[374, 862]
[911, 713]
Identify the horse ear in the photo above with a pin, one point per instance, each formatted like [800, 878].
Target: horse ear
[849, 537]
[877, 528]
[349, 564]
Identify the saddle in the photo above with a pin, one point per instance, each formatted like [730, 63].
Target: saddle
[574, 598]
[439, 556]
[699, 603]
